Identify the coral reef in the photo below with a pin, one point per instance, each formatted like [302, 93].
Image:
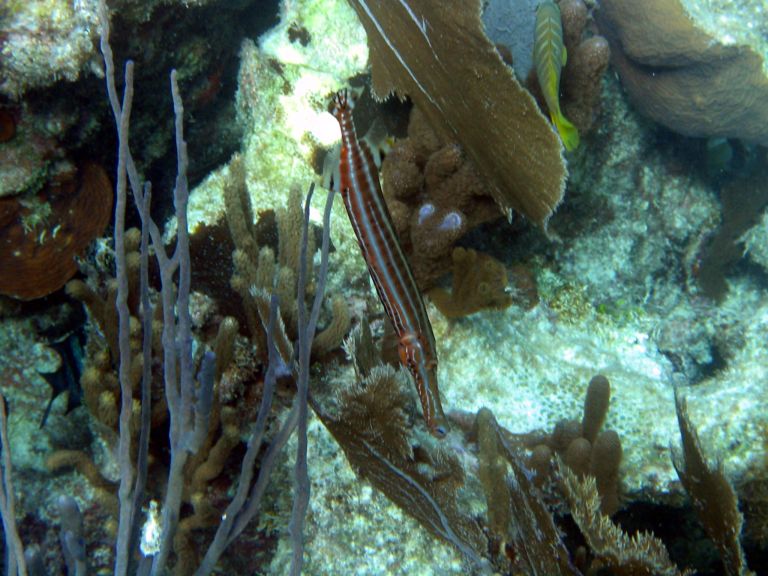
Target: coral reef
[683, 77]
[283, 85]
[473, 489]
[45, 41]
[35, 154]
[583, 448]
[641, 554]
[755, 240]
[234, 396]
[507, 138]
[101, 390]
[256, 268]
[613, 287]
[740, 22]
[743, 199]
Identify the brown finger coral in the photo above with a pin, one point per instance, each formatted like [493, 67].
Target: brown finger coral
[435, 195]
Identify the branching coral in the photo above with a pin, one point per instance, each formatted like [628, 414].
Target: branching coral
[474, 489]
[102, 398]
[641, 554]
[258, 271]
[255, 281]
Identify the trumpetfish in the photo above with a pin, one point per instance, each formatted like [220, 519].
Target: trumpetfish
[387, 264]
[549, 57]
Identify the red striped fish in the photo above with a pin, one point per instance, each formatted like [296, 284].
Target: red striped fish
[389, 268]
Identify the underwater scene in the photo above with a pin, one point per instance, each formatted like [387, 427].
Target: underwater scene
[384, 287]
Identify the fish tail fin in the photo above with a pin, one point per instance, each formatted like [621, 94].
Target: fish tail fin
[568, 132]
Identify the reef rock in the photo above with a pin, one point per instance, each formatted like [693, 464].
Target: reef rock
[683, 77]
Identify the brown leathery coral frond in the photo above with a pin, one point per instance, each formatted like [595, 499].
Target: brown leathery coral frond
[517, 515]
[436, 52]
[714, 499]
[373, 418]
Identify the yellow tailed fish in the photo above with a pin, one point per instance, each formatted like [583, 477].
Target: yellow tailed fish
[549, 56]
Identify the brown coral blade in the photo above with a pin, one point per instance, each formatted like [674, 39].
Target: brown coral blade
[713, 496]
[436, 52]
[515, 509]
[37, 259]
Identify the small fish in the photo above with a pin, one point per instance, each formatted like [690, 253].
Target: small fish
[549, 56]
[67, 377]
[387, 264]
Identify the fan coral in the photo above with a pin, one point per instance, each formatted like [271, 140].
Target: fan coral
[438, 54]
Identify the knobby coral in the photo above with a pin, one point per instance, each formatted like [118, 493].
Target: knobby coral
[435, 195]
[479, 281]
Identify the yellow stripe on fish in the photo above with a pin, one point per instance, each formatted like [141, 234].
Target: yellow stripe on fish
[549, 57]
